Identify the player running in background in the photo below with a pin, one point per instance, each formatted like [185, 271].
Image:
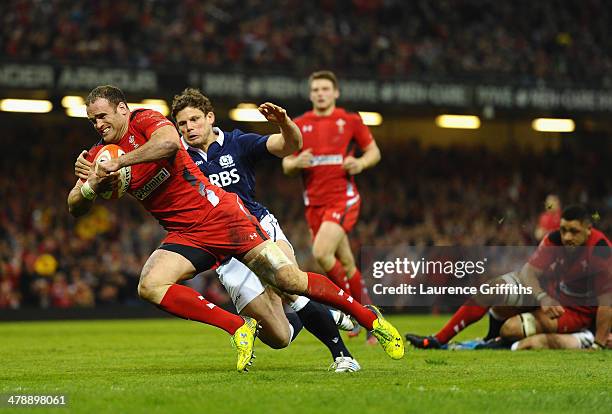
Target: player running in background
[328, 166]
[577, 276]
[205, 225]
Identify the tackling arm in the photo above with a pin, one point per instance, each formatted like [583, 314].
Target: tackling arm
[603, 321]
[530, 276]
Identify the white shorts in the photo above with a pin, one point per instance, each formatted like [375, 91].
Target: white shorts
[585, 338]
[243, 285]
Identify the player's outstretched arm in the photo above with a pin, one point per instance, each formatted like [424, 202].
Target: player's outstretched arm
[603, 321]
[371, 157]
[290, 138]
[163, 143]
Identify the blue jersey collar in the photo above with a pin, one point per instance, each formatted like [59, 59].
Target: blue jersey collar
[220, 140]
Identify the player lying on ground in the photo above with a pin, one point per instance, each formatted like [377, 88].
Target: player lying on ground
[580, 270]
[229, 164]
[578, 340]
[205, 225]
[328, 166]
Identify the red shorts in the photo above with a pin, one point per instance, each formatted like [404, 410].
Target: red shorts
[228, 230]
[575, 319]
[345, 213]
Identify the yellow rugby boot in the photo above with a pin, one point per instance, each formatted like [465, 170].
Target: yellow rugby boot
[388, 336]
[244, 342]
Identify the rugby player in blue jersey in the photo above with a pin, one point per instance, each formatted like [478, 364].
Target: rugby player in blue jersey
[228, 160]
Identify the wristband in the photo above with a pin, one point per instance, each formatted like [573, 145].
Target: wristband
[88, 192]
[541, 296]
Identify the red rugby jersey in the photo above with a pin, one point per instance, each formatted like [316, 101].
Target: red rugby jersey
[575, 277]
[173, 190]
[332, 138]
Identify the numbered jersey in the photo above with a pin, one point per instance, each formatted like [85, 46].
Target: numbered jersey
[332, 138]
[173, 190]
[230, 163]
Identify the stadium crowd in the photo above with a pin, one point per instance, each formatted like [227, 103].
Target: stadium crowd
[526, 41]
[421, 196]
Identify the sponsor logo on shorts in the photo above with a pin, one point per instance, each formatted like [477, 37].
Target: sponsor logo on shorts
[144, 191]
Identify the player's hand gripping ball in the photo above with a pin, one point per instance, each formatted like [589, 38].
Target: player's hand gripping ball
[108, 152]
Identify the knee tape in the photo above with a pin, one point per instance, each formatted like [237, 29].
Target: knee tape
[529, 324]
[268, 262]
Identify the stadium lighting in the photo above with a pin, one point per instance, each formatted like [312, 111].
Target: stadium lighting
[246, 112]
[371, 118]
[75, 106]
[77, 111]
[38, 106]
[70, 101]
[553, 125]
[158, 105]
[458, 121]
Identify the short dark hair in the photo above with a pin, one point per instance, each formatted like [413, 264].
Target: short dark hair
[193, 98]
[324, 74]
[111, 93]
[576, 212]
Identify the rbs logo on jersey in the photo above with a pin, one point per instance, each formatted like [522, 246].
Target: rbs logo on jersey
[224, 178]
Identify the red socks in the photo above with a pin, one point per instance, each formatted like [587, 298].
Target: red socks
[186, 303]
[338, 276]
[358, 288]
[322, 290]
[466, 315]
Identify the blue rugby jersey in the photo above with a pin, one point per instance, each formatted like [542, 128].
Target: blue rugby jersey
[230, 164]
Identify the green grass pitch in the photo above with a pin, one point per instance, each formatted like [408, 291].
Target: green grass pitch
[167, 365]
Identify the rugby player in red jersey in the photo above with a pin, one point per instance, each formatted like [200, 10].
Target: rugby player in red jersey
[328, 165]
[205, 225]
[571, 265]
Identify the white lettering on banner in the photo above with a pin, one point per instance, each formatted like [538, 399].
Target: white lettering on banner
[357, 90]
[578, 99]
[448, 94]
[604, 101]
[223, 84]
[281, 87]
[411, 92]
[543, 98]
[495, 95]
[89, 77]
[26, 76]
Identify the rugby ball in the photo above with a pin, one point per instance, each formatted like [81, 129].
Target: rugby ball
[109, 152]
